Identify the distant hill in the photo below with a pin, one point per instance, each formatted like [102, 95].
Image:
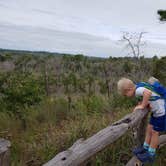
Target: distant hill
[41, 53]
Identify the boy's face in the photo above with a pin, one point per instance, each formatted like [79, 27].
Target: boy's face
[129, 92]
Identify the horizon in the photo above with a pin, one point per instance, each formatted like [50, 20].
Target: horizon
[70, 54]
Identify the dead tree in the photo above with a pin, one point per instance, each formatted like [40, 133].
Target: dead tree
[133, 42]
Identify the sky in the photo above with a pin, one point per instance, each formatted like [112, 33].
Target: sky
[89, 27]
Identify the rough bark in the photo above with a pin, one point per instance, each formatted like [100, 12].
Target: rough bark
[4, 152]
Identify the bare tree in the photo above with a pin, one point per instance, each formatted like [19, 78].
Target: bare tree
[133, 42]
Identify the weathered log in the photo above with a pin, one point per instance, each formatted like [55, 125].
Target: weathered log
[162, 142]
[133, 119]
[4, 152]
[83, 150]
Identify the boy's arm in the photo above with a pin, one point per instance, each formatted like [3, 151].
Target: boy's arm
[146, 95]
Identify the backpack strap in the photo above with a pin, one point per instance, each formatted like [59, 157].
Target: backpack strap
[151, 88]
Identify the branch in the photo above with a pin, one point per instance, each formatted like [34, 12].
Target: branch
[130, 44]
[139, 43]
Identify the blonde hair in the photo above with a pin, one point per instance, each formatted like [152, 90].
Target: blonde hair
[123, 84]
[152, 80]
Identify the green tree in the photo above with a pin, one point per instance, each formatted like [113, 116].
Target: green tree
[24, 63]
[90, 81]
[18, 91]
[162, 14]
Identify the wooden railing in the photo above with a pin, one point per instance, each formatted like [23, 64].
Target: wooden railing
[80, 152]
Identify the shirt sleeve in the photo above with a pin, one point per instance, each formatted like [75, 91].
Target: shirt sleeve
[139, 91]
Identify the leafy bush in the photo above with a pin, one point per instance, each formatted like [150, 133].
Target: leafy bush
[19, 90]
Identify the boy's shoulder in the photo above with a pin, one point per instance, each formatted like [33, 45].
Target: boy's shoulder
[139, 91]
[141, 86]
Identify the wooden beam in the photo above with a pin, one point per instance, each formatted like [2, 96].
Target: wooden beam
[82, 150]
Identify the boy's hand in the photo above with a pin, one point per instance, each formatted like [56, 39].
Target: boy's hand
[138, 107]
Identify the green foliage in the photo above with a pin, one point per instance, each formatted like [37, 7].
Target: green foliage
[118, 101]
[90, 79]
[70, 82]
[4, 57]
[76, 106]
[19, 90]
[103, 87]
[162, 14]
[127, 67]
[23, 63]
[95, 104]
[61, 108]
[78, 57]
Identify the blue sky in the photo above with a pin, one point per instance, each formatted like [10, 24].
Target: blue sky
[91, 27]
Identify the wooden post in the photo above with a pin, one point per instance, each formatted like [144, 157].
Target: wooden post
[4, 152]
[139, 137]
[139, 131]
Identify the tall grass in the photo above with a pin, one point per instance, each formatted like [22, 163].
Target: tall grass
[52, 128]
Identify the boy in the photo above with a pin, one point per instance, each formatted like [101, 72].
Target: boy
[157, 122]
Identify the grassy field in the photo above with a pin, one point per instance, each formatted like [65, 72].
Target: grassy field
[49, 100]
[52, 129]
